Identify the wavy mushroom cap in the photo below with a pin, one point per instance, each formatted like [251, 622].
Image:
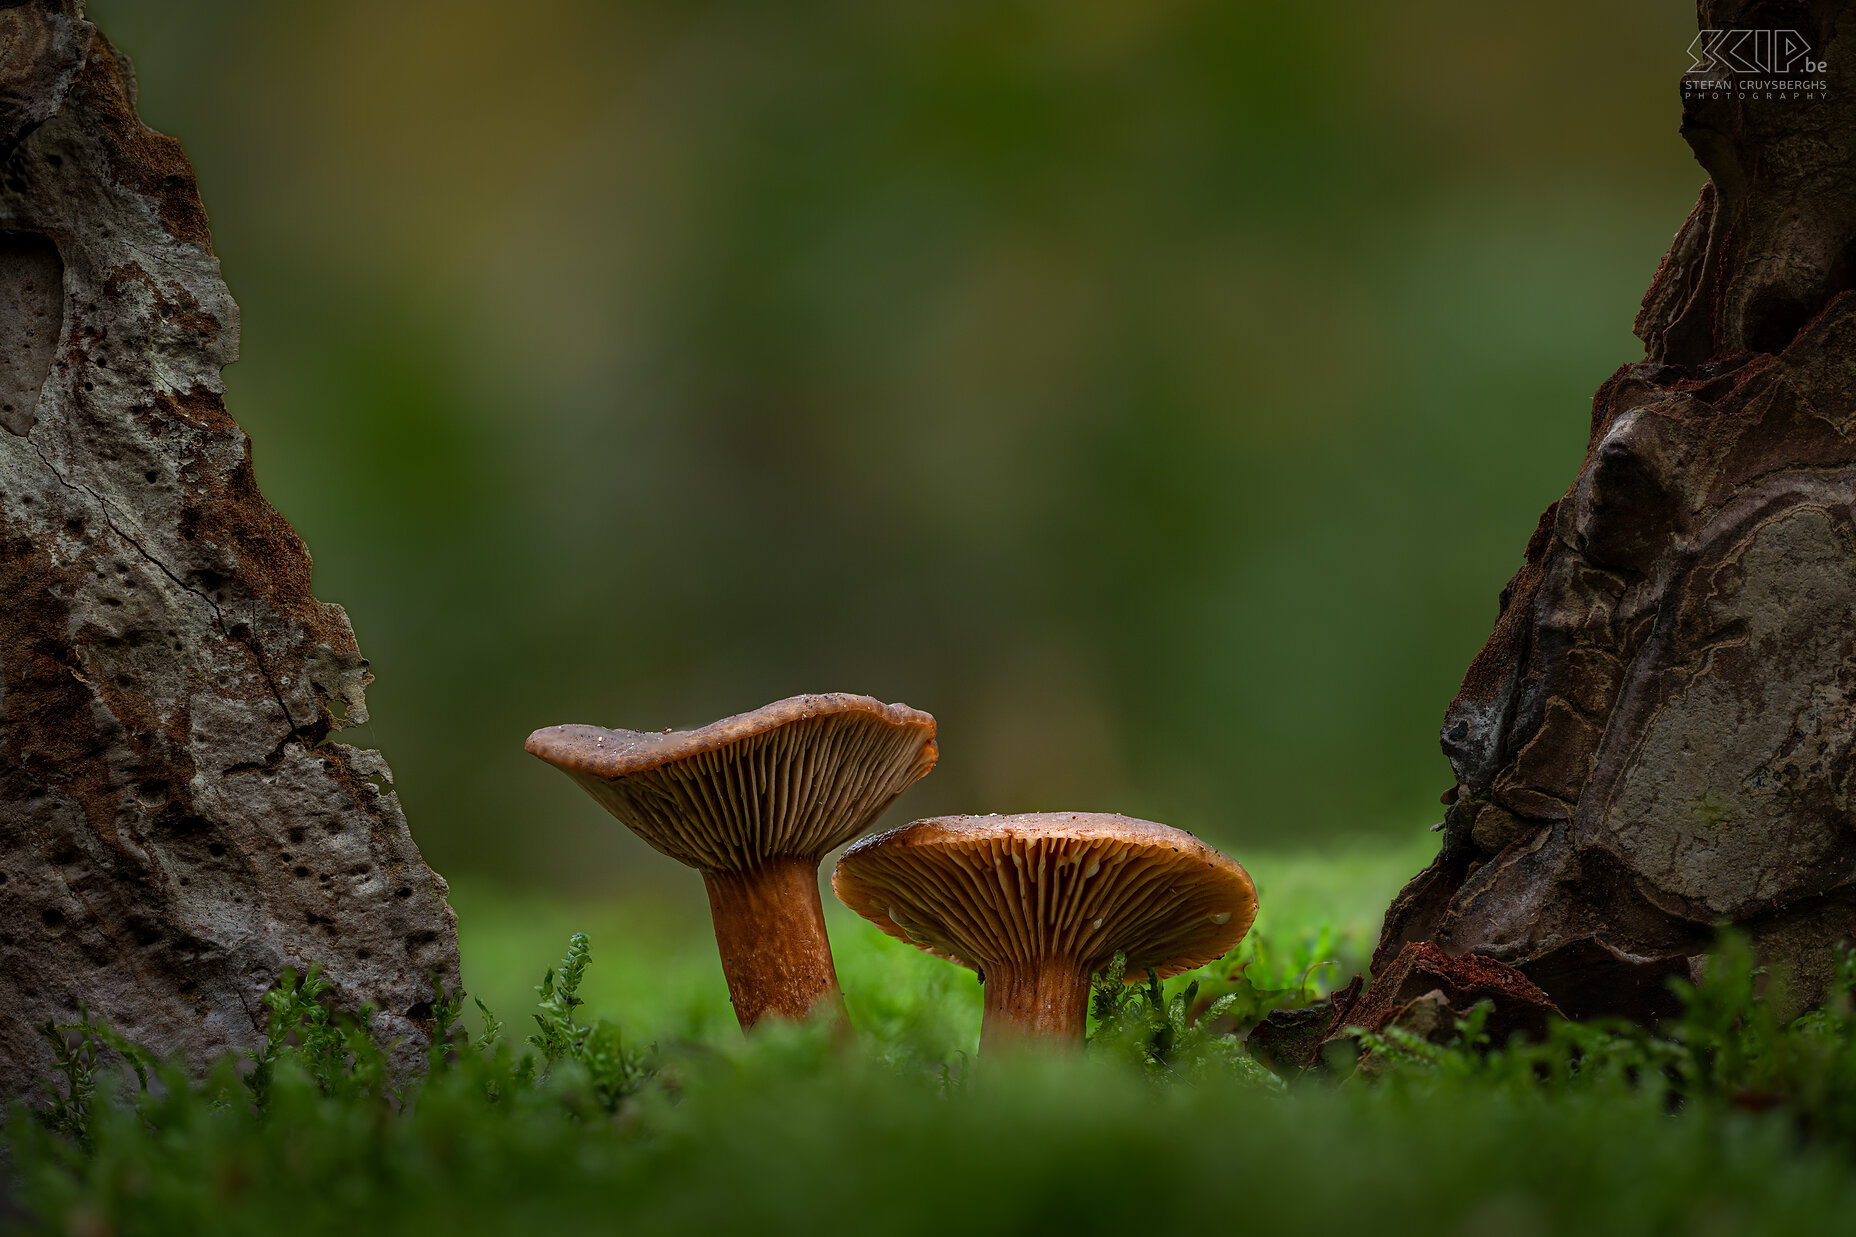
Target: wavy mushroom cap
[987, 891]
[796, 777]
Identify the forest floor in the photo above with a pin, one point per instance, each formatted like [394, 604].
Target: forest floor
[625, 1100]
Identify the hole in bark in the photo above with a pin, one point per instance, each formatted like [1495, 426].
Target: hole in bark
[52, 917]
[31, 289]
[364, 954]
[1774, 320]
[296, 834]
[302, 871]
[403, 892]
[216, 849]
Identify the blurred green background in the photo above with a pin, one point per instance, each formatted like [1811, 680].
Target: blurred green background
[1157, 391]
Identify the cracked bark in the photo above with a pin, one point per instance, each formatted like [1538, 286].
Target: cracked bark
[176, 826]
[1656, 738]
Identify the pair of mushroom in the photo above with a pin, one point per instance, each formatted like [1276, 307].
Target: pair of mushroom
[1036, 904]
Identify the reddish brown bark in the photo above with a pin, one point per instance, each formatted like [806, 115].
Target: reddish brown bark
[1423, 990]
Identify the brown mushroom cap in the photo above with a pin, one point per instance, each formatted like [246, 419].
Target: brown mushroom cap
[796, 777]
[992, 891]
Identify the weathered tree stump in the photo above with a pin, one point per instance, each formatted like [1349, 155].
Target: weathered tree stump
[1656, 739]
[175, 826]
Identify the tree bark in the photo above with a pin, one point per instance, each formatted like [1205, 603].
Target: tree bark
[1655, 740]
[175, 826]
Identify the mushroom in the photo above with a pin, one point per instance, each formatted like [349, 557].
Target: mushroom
[1038, 903]
[753, 802]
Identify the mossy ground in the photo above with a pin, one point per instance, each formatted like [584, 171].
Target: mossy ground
[1726, 1123]
[657, 975]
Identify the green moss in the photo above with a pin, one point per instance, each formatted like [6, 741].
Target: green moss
[1728, 1121]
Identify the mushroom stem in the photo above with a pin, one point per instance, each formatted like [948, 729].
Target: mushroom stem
[1043, 999]
[770, 929]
